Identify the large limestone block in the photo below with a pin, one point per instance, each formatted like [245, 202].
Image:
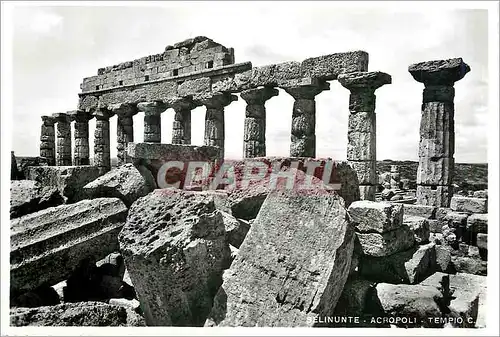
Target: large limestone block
[48, 245]
[76, 314]
[419, 304]
[387, 243]
[380, 217]
[292, 266]
[469, 204]
[175, 250]
[68, 179]
[428, 212]
[126, 182]
[28, 196]
[478, 223]
[420, 227]
[466, 291]
[410, 266]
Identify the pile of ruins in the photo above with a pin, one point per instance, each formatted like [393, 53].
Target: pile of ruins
[109, 246]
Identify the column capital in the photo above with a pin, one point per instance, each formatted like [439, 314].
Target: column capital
[359, 81]
[80, 115]
[48, 120]
[306, 88]
[216, 100]
[181, 103]
[153, 108]
[61, 117]
[103, 113]
[439, 72]
[123, 110]
[258, 95]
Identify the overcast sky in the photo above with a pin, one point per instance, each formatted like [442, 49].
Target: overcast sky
[54, 48]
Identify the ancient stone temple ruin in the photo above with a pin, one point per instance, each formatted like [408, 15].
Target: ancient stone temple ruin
[124, 247]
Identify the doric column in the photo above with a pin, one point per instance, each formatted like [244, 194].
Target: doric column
[81, 156]
[214, 118]
[102, 156]
[254, 136]
[362, 127]
[63, 155]
[152, 120]
[437, 129]
[181, 131]
[303, 133]
[125, 129]
[48, 140]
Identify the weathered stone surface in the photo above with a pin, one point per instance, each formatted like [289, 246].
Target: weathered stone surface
[328, 67]
[352, 302]
[410, 266]
[439, 71]
[126, 182]
[365, 80]
[420, 228]
[175, 251]
[75, 314]
[481, 194]
[47, 245]
[367, 192]
[387, 243]
[236, 229]
[466, 290]
[443, 259]
[412, 301]
[69, 180]
[469, 265]
[434, 195]
[23, 163]
[41, 296]
[482, 240]
[28, 196]
[468, 204]
[380, 217]
[361, 146]
[297, 254]
[435, 171]
[366, 171]
[428, 212]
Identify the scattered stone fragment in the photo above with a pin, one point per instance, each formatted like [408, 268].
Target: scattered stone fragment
[443, 259]
[428, 212]
[75, 314]
[481, 194]
[297, 254]
[28, 196]
[410, 266]
[420, 228]
[126, 182]
[469, 205]
[470, 265]
[175, 251]
[370, 216]
[478, 223]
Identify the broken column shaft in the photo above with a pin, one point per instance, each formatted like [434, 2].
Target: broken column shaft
[63, 155]
[102, 155]
[47, 140]
[254, 136]
[437, 129]
[214, 118]
[81, 118]
[152, 120]
[303, 132]
[362, 127]
[125, 129]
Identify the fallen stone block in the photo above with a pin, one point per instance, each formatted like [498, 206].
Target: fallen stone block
[410, 266]
[482, 241]
[48, 245]
[28, 196]
[236, 229]
[478, 223]
[466, 290]
[68, 179]
[440, 281]
[292, 266]
[414, 305]
[175, 250]
[480, 194]
[75, 314]
[435, 226]
[428, 212]
[380, 217]
[469, 265]
[443, 259]
[388, 243]
[420, 228]
[468, 204]
[127, 182]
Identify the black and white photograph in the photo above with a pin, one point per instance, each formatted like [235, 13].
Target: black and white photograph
[249, 168]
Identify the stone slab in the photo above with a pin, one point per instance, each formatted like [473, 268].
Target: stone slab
[380, 217]
[469, 204]
[387, 243]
